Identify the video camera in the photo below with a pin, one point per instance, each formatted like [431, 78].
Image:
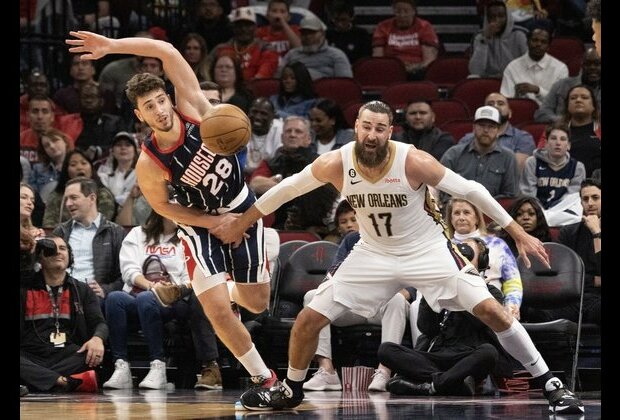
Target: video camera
[45, 246]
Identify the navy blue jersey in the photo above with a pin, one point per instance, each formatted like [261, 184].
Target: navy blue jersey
[552, 185]
[200, 177]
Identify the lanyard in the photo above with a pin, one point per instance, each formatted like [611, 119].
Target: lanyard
[442, 327]
[55, 305]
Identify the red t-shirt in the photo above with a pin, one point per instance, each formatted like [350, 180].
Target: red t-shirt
[258, 60]
[277, 40]
[406, 44]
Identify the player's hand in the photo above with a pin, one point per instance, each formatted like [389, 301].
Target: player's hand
[527, 244]
[90, 45]
[228, 229]
[513, 310]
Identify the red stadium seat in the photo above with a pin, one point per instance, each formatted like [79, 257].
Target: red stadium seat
[522, 110]
[375, 73]
[343, 90]
[350, 112]
[397, 95]
[534, 128]
[568, 50]
[458, 128]
[446, 72]
[264, 87]
[473, 91]
[449, 109]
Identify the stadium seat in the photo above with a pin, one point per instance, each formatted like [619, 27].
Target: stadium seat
[398, 94]
[446, 72]
[264, 87]
[536, 129]
[566, 48]
[375, 73]
[473, 91]
[343, 90]
[458, 128]
[546, 288]
[449, 109]
[522, 110]
[350, 113]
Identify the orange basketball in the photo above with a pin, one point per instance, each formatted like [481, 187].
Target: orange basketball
[225, 130]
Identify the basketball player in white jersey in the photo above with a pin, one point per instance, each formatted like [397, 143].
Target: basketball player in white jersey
[403, 243]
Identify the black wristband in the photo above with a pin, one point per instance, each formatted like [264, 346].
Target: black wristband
[596, 235]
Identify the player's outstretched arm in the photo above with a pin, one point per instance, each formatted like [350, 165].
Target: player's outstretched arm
[93, 46]
[323, 170]
[421, 167]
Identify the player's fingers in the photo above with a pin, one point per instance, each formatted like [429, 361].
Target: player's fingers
[74, 42]
[77, 50]
[526, 260]
[77, 34]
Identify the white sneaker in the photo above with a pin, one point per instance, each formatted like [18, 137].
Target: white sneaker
[156, 378]
[379, 379]
[323, 381]
[121, 378]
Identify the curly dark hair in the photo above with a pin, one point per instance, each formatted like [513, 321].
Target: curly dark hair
[141, 84]
[541, 231]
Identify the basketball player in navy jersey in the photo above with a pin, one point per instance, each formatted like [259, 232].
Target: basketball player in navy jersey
[205, 184]
[403, 243]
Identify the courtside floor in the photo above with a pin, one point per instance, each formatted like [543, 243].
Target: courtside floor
[190, 404]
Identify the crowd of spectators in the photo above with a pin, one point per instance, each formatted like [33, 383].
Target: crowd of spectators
[79, 143]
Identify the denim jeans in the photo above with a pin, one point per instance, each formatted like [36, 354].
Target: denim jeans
[125, 312]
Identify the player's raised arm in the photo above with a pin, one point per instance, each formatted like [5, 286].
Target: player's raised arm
[421, 167]
[93, 46]
[327, 168]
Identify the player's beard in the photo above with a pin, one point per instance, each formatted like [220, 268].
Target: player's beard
[371, 159]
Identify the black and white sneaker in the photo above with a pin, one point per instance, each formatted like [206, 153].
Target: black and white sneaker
[562, 400]
[278, 397]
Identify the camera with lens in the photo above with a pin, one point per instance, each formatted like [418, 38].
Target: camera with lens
[46, 247]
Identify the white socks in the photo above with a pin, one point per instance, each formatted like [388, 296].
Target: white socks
[297, 375]
[517, 342]
[254, 363]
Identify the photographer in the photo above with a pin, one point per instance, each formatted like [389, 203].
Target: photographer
[456, 351]
[62, 329]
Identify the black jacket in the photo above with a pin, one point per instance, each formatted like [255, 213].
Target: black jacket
[578, 237]
[433, 141]
[461, 332]
[86, 319]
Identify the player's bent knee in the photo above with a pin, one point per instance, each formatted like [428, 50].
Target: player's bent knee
[493, 314]
[310, 321]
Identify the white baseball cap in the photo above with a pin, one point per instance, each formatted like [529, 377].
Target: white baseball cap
[487, 113]
[243, 13]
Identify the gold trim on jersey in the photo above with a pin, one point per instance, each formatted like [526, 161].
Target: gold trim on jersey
[386, 168]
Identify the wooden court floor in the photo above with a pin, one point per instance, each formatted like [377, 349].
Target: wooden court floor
[191, 404]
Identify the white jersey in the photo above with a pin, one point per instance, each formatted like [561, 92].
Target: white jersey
[392, 216]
